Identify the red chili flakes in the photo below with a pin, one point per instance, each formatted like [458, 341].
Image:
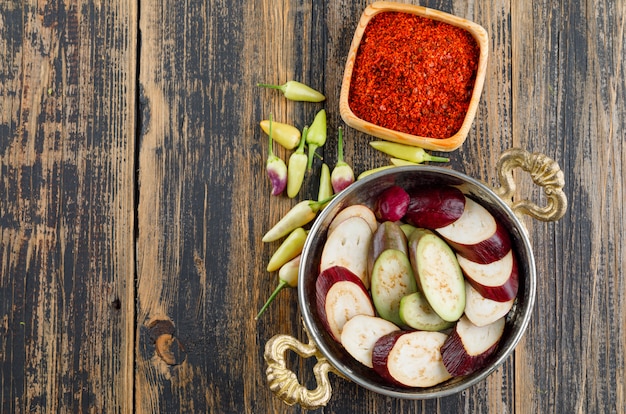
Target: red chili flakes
[413, 74]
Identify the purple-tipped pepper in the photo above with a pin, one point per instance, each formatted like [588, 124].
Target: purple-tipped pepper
[342, 175]
[276, 167]
[296, 91]
[287, 277]
[406, 152]
[316, 136]
[296, 167]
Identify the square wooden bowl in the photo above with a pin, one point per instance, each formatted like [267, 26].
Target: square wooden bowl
[431, 143]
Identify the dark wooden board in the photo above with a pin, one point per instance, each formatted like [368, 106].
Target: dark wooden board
[133, 199]
[566, 101]
[67, 135]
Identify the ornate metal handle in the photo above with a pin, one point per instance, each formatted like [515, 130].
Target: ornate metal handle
[545, 173]
[284, 383]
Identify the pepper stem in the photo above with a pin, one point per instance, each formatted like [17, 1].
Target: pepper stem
[312, 149]
[315, 206]
[305, 132]
[434, 158]
[267, 85]
[340, 150]
[281, 285]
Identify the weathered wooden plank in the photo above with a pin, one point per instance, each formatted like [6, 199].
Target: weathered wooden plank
[189, 161]
[66, 206]
[568, 59]
[203, 198]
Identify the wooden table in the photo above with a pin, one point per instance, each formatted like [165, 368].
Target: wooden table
[133, 198]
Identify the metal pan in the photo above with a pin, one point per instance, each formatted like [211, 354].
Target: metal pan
[331, 357]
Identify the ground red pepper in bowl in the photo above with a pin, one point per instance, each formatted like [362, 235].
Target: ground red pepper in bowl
[414, 75]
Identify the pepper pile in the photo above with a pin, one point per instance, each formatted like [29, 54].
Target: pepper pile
[291, 175]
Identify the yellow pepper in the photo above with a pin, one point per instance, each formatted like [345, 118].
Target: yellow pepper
[296, 91]
[406, 152]
[296, 167]
[326, 188]
[287, 277]
[290, 248]
[299, 215]
[286, 135]
[317, 135]
[374, 170]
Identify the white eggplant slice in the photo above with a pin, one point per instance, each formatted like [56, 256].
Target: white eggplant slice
[416, 313]
[355, 210]
[477, 235]
[340, 295]
[348, 246]
[482, 311]
[411, 359]
[497, 280]
[469, 347]
[361, 332]
[392, 279]
[438, 274]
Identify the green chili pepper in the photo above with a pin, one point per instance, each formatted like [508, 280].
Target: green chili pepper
[317, 135]
[406, 152]
[286, 135]
[297, 167]
[299, 215]
[287, 277]
[342, 175]
[296, 91]
[275, 167]
[289, 248]
[399, 163]
[373, 170]
[326, 188]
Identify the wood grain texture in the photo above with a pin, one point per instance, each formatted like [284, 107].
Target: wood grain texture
[568, 61]
[133, 199]
[66, 206]
[195, 236]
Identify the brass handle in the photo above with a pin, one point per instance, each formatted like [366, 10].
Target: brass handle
[545, 173]
[284, 383]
